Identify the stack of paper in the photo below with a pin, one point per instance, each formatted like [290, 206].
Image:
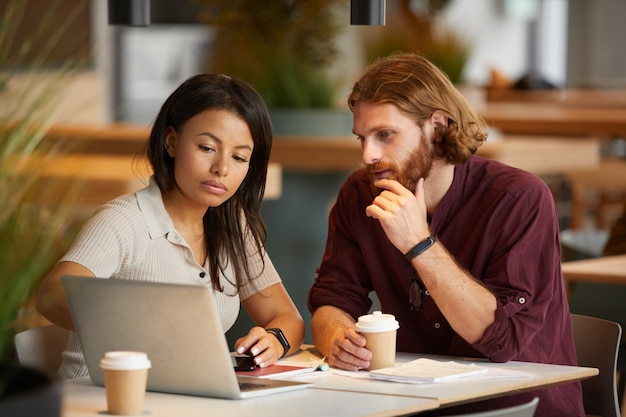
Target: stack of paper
[427, 370]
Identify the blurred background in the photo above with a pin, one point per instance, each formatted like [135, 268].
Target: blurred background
[511, 58]
[130, 70]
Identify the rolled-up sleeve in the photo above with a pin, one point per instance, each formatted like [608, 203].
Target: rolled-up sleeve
[523, 273]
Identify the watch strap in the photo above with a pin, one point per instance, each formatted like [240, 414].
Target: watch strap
[419, 248]
[281, 338]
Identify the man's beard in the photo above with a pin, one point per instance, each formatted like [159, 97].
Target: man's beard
[417, 165]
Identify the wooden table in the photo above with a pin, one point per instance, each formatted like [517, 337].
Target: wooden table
[585, 98]
[544, 155]
[605, 270]
[600, 190]
[553, 119]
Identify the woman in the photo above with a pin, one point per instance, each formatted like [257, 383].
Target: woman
[198, 222]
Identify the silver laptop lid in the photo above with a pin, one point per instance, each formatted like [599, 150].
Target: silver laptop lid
[176, 325]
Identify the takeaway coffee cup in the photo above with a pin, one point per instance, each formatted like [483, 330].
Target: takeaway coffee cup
[379, 331]
[125, 380]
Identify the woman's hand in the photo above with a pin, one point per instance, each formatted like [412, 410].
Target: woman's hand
[264, 346]
[271, 308]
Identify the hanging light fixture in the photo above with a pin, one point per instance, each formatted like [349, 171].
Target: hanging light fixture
[367, 12]
[129, 12]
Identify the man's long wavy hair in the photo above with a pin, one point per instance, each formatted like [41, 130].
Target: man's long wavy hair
[418, 88]
[225, 231]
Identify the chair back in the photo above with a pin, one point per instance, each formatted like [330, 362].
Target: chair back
[522, 410]
[597, 344]
[41, 347]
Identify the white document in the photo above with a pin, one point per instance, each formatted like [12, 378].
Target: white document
[427, 370]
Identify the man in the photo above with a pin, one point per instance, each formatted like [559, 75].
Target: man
[463, 251]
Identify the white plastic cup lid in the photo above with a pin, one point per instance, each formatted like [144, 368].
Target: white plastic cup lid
[125, 361]
[377, 322]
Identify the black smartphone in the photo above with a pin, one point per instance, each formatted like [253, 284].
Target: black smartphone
[244, 363]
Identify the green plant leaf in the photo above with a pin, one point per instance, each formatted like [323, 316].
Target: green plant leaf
[283, 48]
[35, 214]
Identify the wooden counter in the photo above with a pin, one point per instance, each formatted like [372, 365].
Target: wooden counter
[553, 119]
[97, 179]
[537, 154]
[592, 112]
[606, 270]
[108, 159]
[113, 139]
[586, 98]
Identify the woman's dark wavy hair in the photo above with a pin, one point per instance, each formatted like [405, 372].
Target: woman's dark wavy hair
[418, 88]
[224, 230]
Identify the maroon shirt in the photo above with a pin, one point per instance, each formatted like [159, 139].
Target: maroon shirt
[500, 224]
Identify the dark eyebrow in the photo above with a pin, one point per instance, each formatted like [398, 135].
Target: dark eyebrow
[215, 138]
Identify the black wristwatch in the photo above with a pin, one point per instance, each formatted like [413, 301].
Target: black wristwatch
[281, 338]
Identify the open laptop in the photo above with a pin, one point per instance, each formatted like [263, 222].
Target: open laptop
[176, 325]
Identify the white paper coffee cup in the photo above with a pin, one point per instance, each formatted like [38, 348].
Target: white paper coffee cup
[379, 331]
[125, 380]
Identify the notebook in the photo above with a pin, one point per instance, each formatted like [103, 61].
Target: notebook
[176, 325]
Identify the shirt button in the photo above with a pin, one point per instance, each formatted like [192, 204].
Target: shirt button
[202, 274]
[437, 325]
[427, 292]
[521, 300]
